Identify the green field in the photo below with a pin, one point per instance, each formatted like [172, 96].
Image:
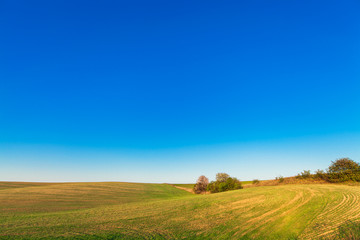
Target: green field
[161, 211]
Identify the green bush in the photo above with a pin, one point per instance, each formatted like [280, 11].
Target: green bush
[344, 176]
[256, 181]
[222, 185]
[320, 174]
[305, 174]
[281, 179]
[213, 187]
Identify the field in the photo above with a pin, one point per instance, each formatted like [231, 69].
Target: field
[161, 211]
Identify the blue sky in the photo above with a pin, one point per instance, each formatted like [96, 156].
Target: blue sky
[164, 91]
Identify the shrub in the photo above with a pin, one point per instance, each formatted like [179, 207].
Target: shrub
[201, 184]
[343, 177]
[223, 187]
[304, 174]
[224, 183]
[213, 187]
[320, 174]
[256, 181]
[233, 183]
[281, 179]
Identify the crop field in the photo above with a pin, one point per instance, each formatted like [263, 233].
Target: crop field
[113, 210]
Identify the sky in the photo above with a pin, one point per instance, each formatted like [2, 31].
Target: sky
[165, 91]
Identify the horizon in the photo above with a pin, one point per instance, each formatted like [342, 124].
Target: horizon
[164, 92]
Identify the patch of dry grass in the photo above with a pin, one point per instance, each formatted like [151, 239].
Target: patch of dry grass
[287, 180]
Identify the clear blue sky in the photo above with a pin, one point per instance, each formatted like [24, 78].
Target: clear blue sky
[164, 91]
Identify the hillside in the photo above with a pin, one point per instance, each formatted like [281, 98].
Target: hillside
[134, 210]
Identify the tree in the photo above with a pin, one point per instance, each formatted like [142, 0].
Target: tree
[344, 165]
[201, 184]
[342, 170]
[222, 177]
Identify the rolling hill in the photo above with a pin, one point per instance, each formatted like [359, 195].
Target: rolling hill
[113, 210]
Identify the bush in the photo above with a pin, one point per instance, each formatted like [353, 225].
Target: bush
[281, 179]
[343, 177]
[320, 174]
[255, 181]
[233, 183]
[201, 185]
[213, 187]
[304, 174]
[224, 183]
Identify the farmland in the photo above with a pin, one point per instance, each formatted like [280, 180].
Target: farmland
[114, 210]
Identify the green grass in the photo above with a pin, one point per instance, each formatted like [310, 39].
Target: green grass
[161, 211]
[246, 182]
[349, 231]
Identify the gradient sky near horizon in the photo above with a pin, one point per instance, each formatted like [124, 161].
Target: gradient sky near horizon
[164, 91]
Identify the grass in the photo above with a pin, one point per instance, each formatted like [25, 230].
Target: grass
[349, 231]
[246, 182]
[7, 185]
[161, 211]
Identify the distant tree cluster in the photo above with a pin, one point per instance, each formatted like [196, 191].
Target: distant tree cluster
[256, 181]
[223, 183]
[341, 170]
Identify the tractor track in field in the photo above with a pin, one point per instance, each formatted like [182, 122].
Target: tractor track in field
[336, 211]
[326, 223]
[259, 222]
[271, 212]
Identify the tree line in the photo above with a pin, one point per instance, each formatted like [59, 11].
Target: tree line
[340, 170]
